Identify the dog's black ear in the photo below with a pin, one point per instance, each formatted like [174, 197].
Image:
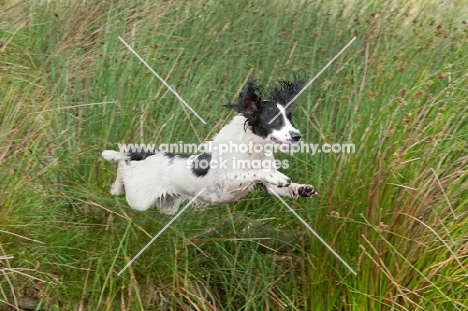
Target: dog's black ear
[284, 91]
[249, 100]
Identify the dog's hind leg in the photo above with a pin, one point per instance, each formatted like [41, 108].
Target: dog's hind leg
[118, 188]
[168, 204]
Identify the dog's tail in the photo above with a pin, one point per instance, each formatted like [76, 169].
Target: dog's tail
[115, 156]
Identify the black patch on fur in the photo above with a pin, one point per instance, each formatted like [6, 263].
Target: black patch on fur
[269, 111]
[174, 156]
[139, 156]
[259, 112]
[249, 101]
[201, 164]
[171, 155]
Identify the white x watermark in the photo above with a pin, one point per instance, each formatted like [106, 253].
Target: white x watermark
[201, 119]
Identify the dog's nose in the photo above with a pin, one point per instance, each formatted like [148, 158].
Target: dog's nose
[295, 136]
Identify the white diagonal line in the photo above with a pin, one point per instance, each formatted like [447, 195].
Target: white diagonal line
[313, 79]
[160, 232]
[162, 80]
[314, 233]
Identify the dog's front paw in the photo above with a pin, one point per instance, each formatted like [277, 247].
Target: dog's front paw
[278, 179]
[307, 191]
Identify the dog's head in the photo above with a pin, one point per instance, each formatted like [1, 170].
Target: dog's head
[270, 118]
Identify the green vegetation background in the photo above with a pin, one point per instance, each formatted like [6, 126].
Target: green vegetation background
[396, 210]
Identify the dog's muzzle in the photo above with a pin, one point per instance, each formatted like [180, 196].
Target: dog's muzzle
[295, 136]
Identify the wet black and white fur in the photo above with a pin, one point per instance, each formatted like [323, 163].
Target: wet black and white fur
[165, 179]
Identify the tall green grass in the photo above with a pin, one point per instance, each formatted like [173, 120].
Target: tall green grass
[395, 210]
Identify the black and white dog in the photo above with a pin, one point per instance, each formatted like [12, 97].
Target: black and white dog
[165, 179]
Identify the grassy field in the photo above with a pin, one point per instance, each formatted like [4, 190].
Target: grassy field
[395, 210]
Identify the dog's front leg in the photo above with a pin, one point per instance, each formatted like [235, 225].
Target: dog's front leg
[282, 185]
[293, 190]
